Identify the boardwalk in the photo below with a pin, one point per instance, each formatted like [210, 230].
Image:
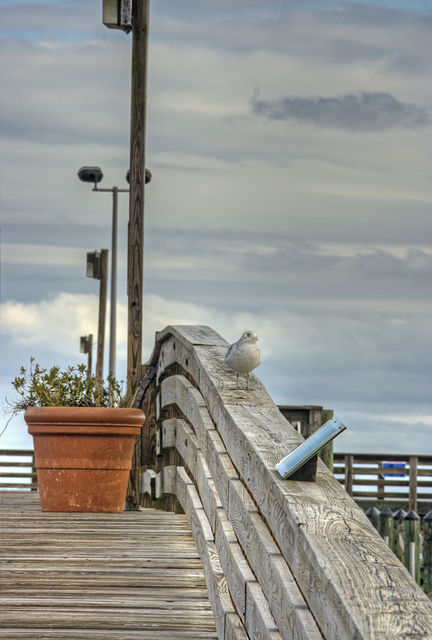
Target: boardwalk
[99, 576]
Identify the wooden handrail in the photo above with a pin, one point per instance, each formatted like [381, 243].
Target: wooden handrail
[282, 558]
[13, 479]
[359, 470]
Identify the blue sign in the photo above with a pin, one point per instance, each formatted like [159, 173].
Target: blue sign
[394, 470]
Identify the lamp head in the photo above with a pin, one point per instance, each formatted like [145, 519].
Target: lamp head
[93, 264]
[148, 176]
[84, 344]
[90, 174]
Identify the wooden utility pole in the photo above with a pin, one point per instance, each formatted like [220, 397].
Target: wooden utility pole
[140, 27]
[102, 316]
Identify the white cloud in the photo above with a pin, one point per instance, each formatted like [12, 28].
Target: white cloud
[55, 324]
[354, 365]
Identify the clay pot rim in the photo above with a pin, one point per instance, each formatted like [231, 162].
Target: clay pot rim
[84, 415]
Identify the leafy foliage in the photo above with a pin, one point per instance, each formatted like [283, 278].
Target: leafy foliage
[39, 387]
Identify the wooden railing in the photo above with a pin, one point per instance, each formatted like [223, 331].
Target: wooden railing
[17, 469]
[282, 559]
[385, 478]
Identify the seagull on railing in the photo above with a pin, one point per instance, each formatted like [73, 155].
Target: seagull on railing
[244, 355]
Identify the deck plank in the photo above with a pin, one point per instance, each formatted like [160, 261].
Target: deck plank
[111, 576]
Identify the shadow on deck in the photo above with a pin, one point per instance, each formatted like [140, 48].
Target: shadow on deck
[99, 576]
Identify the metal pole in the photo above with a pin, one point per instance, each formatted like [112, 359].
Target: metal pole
[113, 310]
[90, 356]
[102, 314]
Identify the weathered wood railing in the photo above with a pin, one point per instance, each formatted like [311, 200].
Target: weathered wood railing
[17, 469]
[373, 477]
[283, 559]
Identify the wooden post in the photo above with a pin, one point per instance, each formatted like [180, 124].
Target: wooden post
[326, 453]
[427, 553]
[136, 201]
[317, 417]
[34, 474]
[373, 516]
[413, 483]
[386, 526]
[349, 473]
[412, 545]
[398, 533]
[380, 482]
[102, 315]
[314, 422]
[144, 451]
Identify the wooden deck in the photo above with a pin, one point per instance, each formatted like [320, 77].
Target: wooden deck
[99, 576]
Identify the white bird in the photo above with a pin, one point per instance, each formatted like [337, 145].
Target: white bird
[244, 355]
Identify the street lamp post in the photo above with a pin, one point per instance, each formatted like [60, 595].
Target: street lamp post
[113, 306]
[97, 267]
[133, 16]
[86, 346]
[95, 175]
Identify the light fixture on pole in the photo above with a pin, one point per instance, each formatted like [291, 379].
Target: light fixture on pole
[97, 268]
[148, 176]
[117, 14]
[86, 346]
[93, 268]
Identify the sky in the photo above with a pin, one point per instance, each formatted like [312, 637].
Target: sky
[290, 148]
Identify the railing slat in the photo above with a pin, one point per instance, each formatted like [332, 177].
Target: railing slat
[349, 474]
[413, 461]
[12, 464]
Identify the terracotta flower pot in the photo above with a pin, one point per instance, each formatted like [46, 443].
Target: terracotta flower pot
[83, 455]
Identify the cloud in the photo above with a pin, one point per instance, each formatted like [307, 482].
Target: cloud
[42, 254]
[392, 433]
[362, 112]
[214, 165]
[371, 368]
[367, 348]
[240, 270]
[54, 324]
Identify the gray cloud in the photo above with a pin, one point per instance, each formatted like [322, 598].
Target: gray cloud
[362, 112]
[315, 238]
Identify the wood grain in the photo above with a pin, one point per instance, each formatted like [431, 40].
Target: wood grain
[351, 581]
[129, 575]
[243, 526]
[135, 271]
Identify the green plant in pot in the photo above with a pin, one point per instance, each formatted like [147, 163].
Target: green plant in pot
[83, 437]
